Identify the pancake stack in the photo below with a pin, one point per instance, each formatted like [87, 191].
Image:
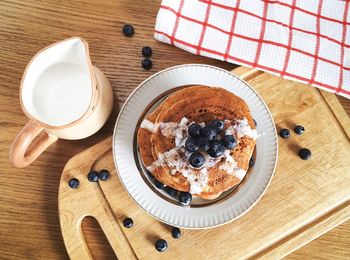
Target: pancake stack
[162, 135]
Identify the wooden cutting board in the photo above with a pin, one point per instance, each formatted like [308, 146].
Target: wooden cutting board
[304, 200]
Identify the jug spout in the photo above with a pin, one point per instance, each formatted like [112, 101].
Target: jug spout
[74, 50]
[59, 84]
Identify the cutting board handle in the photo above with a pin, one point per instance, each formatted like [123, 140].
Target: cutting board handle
[88, 200]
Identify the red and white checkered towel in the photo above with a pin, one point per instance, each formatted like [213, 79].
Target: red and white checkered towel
[303, 40]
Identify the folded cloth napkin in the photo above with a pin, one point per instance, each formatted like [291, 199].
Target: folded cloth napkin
[303, 40]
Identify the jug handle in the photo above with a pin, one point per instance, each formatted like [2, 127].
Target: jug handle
[23, 152]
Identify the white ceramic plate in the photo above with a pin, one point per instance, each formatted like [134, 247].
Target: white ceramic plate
[203, 214]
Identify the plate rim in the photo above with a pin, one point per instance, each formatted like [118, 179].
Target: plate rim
[210, 67]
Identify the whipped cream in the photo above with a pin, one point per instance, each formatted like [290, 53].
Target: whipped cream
[198, 182]
[241, 128]
[173, 159]
[177, 158]
[240, 173]
[179, 131]
[202, 124]
[230, 166]
[146, 124]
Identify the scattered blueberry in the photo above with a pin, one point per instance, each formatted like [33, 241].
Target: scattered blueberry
[147, 64]
[251, 162]
[217, 149]
[128, 30]
[161, 245]
[255, 123]
[159, 185]
[73, 183]
[175, 232]
[299, 129]
[103, 175]
[209, 132]
[147, 51]
[172, 192]
[128, 222]
[229, 142]
[191, 144]
[203, 144]
[304, 153]
[284, 133]
[218, 124]
[185, 198]
[93, 176]
[194, 130]
[196, 160]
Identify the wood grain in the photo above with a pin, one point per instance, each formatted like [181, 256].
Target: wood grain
[29, 225]
[333, 245]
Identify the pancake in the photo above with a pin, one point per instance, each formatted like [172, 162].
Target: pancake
[144, 134]
[196, 104]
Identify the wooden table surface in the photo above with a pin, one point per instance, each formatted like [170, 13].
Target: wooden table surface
[29, 225]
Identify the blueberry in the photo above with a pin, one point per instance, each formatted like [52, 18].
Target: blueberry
[159, 185]
[196, 160]
[93, 176]
[194, 130]
[304, 153]
[161, 245]
[251, 162]
[216, 149]
[147, 51]
[128, 30]
[185, 198]
[128, 222]
[103, 175]
[299, 129]
[284, 133]
[203, 144]
[255, 123]
[172, 192]
[175, 232]
[191, 144]
[229, 142]
[73, 183]
[209, 132]
[147, 64]
[218, 124]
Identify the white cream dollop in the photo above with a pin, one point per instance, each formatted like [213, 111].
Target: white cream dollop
[179, 131]
[146, 124]
[230, 166]
[240, 173]
[241, 128]
[198, 181]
